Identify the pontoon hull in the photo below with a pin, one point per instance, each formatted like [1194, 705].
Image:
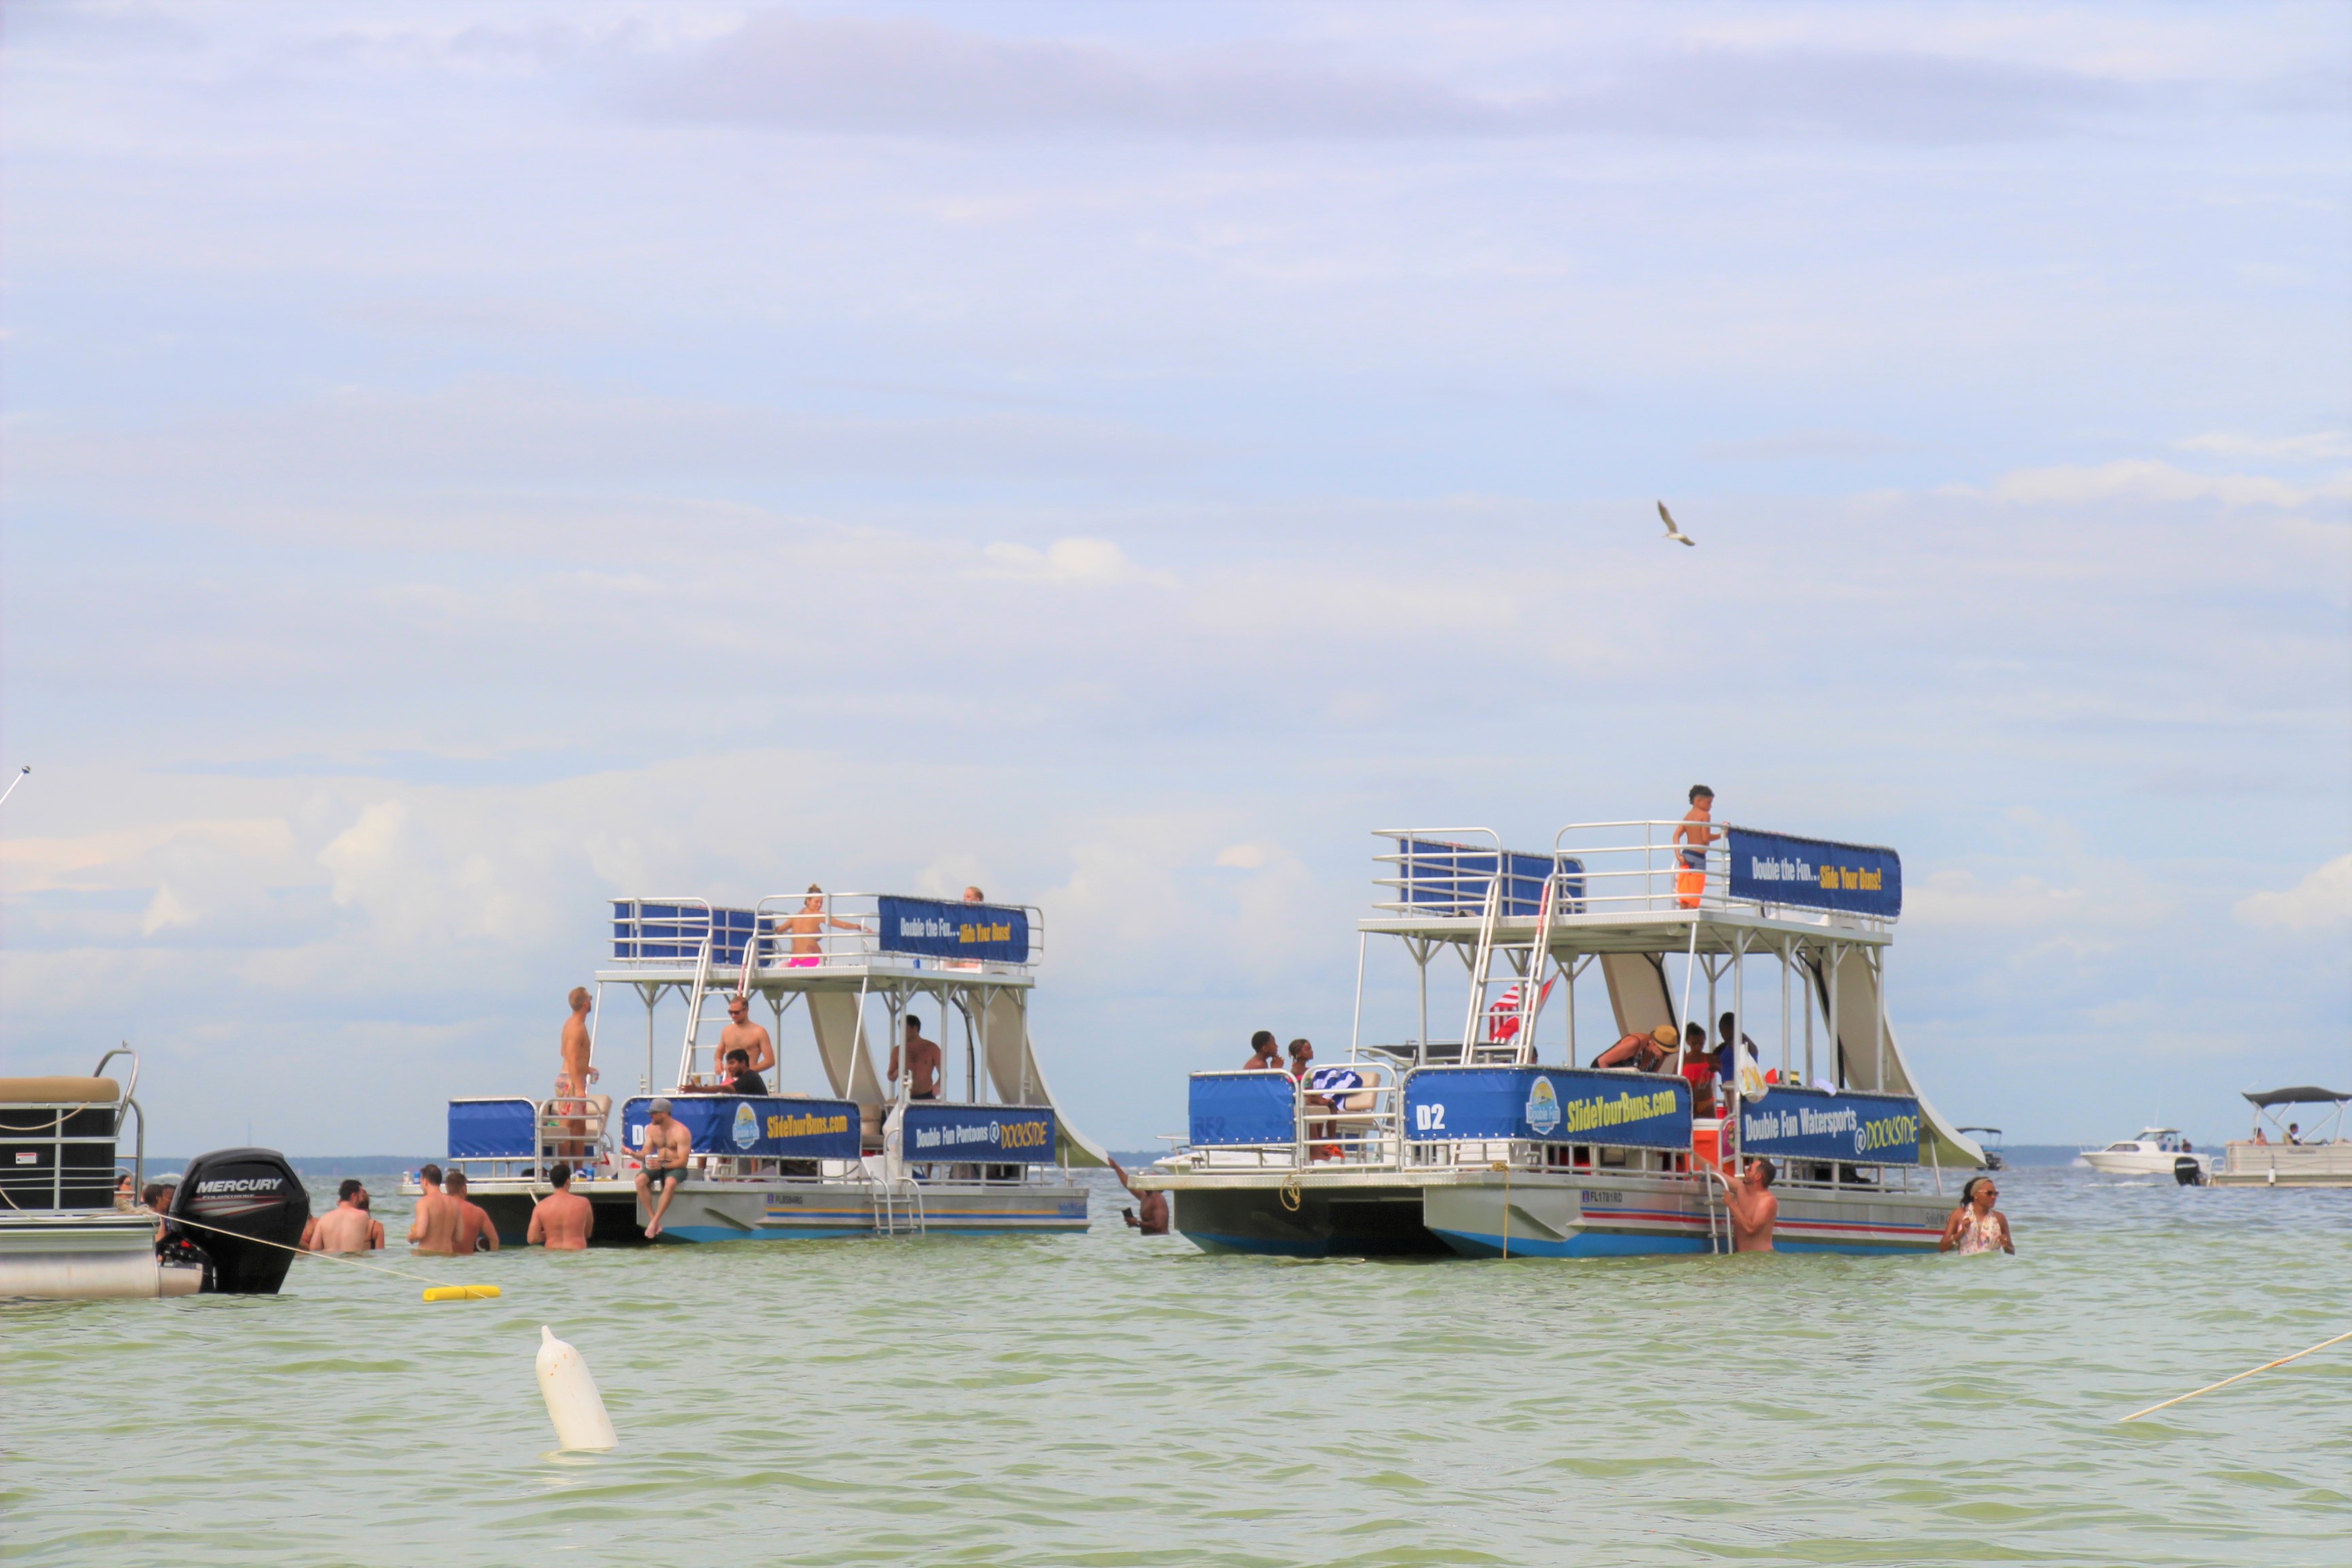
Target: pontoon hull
[1472, 1215]
[68, 1256]
[707, 1211]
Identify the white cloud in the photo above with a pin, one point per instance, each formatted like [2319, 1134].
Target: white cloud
[1957, 898]
[164, 911]
[2318, 447]
[2322, 899]
[2141, 479]
[364, 855]
[1072, 561]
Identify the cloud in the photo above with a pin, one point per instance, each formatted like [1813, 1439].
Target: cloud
[2142, 478]
[2321, 900]
[1071, 561]
[499, 431]
[905, 77]
[2319, 447]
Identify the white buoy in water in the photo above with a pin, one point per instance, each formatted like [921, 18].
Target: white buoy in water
[572, 1402]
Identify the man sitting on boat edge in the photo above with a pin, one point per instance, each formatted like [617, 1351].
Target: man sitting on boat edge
[668, 1149]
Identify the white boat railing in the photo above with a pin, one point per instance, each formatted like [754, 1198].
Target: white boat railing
[782, 934]
[1597, 870]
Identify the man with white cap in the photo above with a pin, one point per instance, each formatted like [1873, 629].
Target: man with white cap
[668, 1148]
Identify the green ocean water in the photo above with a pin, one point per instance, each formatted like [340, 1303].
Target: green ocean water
[1109, 1400]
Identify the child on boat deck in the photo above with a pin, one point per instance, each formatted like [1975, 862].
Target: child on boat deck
[1699, 1070]
[1265, 1055]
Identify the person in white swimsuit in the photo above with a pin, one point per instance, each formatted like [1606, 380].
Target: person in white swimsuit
[1976, 1225]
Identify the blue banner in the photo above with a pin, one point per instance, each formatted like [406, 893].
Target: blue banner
[1244, 1108]
[761, 1126]
[490, 1130]
[988, 1134]
[1774, 868]
[1446, 878]
[937, 928]
[675, 932]
[1791, 1124]
[1548, 1105]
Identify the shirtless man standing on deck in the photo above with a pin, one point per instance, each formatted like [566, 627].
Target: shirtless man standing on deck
[922, 1062]
[577, 1071]
[577, 1042]
[742, 1035]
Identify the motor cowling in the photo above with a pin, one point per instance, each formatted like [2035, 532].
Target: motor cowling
[240, 1200]
[2188, 1172]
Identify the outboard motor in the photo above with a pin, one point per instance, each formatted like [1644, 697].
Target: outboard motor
[241, 1200]
[2188, 1172]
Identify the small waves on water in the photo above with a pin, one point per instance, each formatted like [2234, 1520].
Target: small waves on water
[1108, 1400]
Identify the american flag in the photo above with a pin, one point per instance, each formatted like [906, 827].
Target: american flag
[1503, 1017]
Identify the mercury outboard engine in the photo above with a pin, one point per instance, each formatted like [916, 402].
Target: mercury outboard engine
[2188, 1172]
[242, 1199]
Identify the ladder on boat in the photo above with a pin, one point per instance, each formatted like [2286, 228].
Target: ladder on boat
[899, 1208]
[1526, 959]
[696, 998]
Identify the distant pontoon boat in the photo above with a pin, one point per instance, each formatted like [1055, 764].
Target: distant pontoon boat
[1486, 1140]
[863, 1157]
[2320, 1158]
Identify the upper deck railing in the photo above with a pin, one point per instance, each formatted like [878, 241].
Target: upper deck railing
[1604, 870]
[787, 933]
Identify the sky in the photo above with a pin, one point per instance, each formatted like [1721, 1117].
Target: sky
[462, 465]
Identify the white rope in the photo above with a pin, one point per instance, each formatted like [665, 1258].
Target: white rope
[2227, 1381]
[322, 1256]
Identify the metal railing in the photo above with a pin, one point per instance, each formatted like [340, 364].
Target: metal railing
[1597, 870]
[48, 1131]
[1371, 1138]
[781, 933]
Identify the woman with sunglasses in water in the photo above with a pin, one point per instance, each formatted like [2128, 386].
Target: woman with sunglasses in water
[1976, 1225]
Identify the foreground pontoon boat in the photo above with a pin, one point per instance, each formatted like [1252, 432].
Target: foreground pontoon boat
[233, 1223]
[1472, 1142]
[2321, 1158]
[862, 1159]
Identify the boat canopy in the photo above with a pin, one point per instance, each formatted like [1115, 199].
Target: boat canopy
[2305, 1094]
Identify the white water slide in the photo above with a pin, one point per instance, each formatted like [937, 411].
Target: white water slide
[1005, 1051]
[1641, 999]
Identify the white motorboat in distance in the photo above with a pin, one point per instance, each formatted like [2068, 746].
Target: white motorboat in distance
[2157, 1151]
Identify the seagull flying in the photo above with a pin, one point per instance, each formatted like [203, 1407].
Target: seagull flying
[1673, 529]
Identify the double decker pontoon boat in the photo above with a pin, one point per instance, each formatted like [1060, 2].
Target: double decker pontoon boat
[863, 1158]
[1488, 1142]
